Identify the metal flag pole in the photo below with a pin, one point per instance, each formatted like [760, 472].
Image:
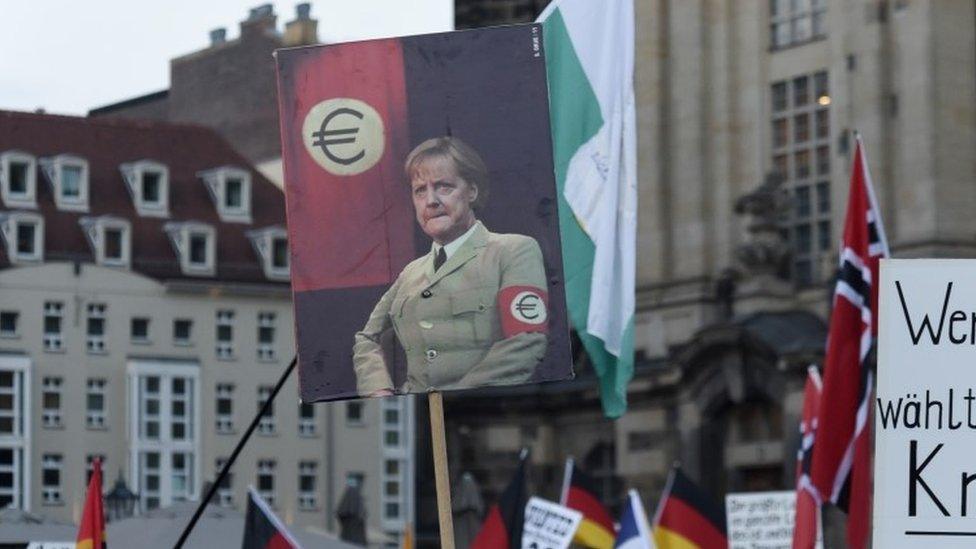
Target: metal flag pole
[233, 456]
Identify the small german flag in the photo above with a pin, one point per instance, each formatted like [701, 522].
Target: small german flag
[687, 518]
[502, 528]
[579, 493]
[91, 531]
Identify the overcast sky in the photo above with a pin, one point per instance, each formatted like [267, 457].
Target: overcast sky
[69, 56]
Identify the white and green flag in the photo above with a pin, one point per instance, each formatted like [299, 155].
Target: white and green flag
[590, 63]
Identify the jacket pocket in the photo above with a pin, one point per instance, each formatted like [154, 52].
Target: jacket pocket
[472, 327]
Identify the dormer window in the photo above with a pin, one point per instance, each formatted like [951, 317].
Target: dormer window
[271, 246]
[110, 239]
[18, 179]
[23, 234]
[196, 245]
[148, 184]
[230, 189]
[69, 180]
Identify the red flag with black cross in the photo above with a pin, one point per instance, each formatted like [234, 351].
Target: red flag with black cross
[806, 525]
[91, 531]
[841, 468]
[262, 528]
[502, 528]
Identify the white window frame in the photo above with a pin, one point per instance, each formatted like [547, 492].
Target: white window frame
[402, 453]
[140, 340]
[216, 181]
[95, 230]
[224, 349]
[179, 234]
[266, 467]
[27, 199]
[262, 240]
[18, 441]
[224, 423]
[53, 168]
[10, 223]
[308, 500]
[266, 350]
[307, 425]
[16, 331]
[51, 417]
[225, 494]
[94, 343]
[165, 445]
[53, 341]
[96, 419]
[266, 425]
[133, 172]
[179, 341]
[51, 495]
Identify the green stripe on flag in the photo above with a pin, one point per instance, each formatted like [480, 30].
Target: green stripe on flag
[575, 116]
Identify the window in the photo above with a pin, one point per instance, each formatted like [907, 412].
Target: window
[225, 408]
[109, 238]
[271, 246]
[356, 479]
[230, 189]
[354, 412]
[51, 479]
[68, 176]
[803, 159]
[139, 329]
[95, 401]
[164, 431]
[95, 340]
[639, 441]
[225, 334]
[90, 467]
[14, 384]
[182, 331]
[225, 492]
[266, 480]
[53, 311]
[148, 184]
[793, 22]
[8, 323]
[196, 245]
[18, 179]
[306, 485]
[23, 234]
[266, 336]
[306, 419]
[51, 402]
[266, 426]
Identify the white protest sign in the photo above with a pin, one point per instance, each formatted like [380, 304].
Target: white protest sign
[925, 418]
[760, 520]
[548, 525]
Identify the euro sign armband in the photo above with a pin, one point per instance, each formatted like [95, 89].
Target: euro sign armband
[523, 309]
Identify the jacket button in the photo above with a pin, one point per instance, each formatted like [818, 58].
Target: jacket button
[426, 324]
[425, 294]
[431, 354]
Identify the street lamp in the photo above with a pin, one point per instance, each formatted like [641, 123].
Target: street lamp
[121, 501]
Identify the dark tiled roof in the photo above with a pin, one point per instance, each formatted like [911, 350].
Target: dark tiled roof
[108, 143]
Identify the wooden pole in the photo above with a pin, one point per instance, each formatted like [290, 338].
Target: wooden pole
[441, 475]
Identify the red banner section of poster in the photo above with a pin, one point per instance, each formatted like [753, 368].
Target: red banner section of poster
[344, 137]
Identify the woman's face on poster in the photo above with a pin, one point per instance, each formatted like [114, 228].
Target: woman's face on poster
[442, 199]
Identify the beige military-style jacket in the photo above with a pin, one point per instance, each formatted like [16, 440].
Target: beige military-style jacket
[448, 322]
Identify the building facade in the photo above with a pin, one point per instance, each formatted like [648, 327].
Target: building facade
[145, 317]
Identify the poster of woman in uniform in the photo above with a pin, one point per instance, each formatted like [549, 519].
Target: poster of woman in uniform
[422, 219]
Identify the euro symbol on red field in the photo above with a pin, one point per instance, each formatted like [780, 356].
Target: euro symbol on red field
[528, 306]
[325, 136]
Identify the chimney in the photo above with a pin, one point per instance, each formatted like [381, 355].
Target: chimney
[303, 30]
[261, 19]
[218, 36]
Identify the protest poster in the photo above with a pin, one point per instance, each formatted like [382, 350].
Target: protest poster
[548, 525]
[924, 420]
[425, 250]
[760, 520]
